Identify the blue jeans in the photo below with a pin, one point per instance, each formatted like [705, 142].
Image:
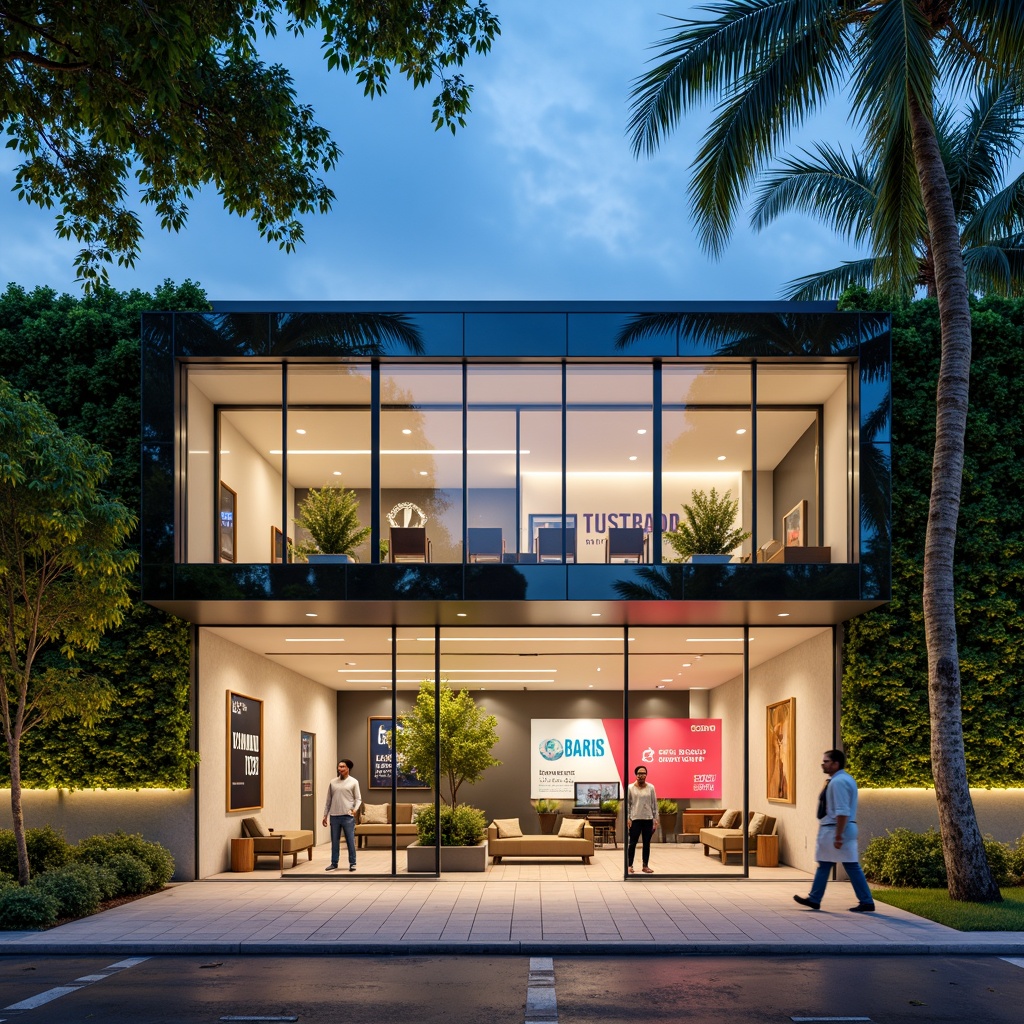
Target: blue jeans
[348, 823]
[857, 880]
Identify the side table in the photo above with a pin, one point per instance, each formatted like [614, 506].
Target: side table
[243, 856]
[767, 851]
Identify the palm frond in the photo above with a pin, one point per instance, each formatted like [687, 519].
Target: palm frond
[997, 268]
[837, 189]
[830, 284]
[1000, 214]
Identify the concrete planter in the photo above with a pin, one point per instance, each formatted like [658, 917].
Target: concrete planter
[453, 858]
[710, 559]
[329, 559]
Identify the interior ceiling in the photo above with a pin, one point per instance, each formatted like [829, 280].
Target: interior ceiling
[539, 658]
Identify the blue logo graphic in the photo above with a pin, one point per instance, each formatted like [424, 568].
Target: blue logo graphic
[550, 750]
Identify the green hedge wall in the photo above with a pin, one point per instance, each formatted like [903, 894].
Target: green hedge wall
[885, 679]
[80, 355]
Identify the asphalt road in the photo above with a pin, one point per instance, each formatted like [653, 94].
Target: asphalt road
[511, 990]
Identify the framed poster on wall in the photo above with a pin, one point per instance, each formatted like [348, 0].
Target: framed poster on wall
[245, 752]
[780, 751]
[227, 523]
[380, 753]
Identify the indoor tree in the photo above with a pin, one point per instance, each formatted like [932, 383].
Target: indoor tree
[768, 64]
[467, 735]
[65, 577]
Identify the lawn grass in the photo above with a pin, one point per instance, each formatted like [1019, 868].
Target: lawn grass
[935, 905]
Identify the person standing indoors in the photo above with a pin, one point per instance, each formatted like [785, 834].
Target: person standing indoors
[837, 835]
[343, 800]
[641, 816]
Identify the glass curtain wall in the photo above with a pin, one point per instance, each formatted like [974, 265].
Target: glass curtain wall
[421, 457]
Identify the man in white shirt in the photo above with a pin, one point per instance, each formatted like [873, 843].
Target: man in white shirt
[343, 800]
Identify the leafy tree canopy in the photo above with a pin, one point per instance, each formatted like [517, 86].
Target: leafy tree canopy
[467, 735]
[175, 95]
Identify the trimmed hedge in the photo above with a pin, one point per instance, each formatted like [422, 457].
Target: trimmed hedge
[914, 860]
[47, 849]
[75, 888]
[108, 849]
[27, 907]
[460, 826]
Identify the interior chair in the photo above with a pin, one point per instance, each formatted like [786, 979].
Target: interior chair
[625, 544]
[485, 544]
[409, 544]
[549, 544]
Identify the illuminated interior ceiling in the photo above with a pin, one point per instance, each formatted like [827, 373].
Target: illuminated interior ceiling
[534, 658]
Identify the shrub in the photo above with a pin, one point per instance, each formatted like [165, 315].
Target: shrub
[100, 849]
[998, 855]
[1016, 864]
[74, 888]
[667, 807]
[7, 882]
[906, 858]
[547, 806]
[460, 826]
[133, 875]
[47, 849]
[27, 907]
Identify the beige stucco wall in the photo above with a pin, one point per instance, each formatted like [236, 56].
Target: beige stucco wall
[1000, 812]
[291, 704]
[160, 815]
[805, 672]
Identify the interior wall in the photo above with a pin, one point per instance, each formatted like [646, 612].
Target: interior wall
[504, 791]
[258, 488]
[164, 816]
[805, 672]
[291, 704]
[795, 481]
[835, 473]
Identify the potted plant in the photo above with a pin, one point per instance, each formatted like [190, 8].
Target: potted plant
[467, 734]
[709, 533]
[547, 815]
[610, 806]
[330, 515]
[462, 840]
[667, 811]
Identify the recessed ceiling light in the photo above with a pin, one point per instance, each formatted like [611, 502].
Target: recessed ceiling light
[337, 472]
[686, 664]
[721, 458]
[598, 668]
[423, 472]
[590, 686]
[595, 615]
[783, 615]
[660, 686]
[299, 430]
[642, 430]
[461, 615]
[666, 680]
[310, 615]
[742, 430]
[350, 663]
[632, 458]
[406, 431]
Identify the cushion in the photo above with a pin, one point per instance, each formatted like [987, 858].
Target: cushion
[417, 808]
[757, 824]
[375, 814]
[254, 828]
[572, 828]
[730, 819]
[508, 828]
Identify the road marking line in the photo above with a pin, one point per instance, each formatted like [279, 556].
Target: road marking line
[62, 990]
[541, 1005]
[808, 1019]
[44, 997]
[1015, 960]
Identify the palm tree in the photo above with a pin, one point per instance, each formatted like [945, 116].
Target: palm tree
[770, 63]
[842, 190]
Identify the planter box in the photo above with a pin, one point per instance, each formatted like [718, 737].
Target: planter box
[329, 559]
[710, 559]
[453, 858]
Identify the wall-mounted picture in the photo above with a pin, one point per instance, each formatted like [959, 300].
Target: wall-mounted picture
[245, 752]
[794, 525]
[227, 524]
[381, 757]
[780, 751]
[279, 545]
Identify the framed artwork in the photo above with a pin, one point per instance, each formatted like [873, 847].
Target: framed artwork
[279, 545]
[245, 752]
[780, 751]
[381, 757]
[794, 525]
[227, 523]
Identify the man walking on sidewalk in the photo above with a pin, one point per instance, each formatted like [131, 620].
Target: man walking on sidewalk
[837, 835]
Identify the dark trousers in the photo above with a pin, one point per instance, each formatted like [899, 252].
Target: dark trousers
[640, 828]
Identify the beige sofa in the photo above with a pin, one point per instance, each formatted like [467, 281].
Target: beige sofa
[540, 846]
[404, 827]
[277, 842]
[730, 840]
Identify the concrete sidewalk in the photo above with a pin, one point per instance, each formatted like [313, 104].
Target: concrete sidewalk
[463, 915]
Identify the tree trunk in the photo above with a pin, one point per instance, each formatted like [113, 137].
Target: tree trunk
[17, 814]
[962, 847]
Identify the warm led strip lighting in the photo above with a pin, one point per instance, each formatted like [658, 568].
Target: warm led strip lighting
[460, 671]
[401, 451]
[430, 679]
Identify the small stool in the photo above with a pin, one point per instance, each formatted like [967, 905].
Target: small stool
[243, 856]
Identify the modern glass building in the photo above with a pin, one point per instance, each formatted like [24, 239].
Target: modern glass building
[519, 467]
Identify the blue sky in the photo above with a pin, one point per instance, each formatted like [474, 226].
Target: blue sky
[539, 197]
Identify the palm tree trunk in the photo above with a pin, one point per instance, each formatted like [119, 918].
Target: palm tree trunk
[964, 852]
